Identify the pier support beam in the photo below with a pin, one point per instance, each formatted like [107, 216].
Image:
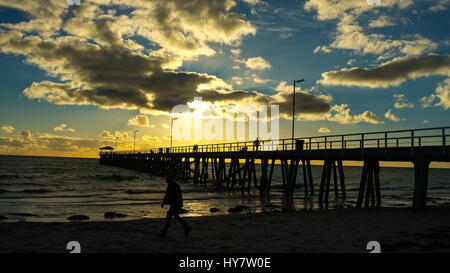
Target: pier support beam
[421, 166]
[329, 169]
[370, 184]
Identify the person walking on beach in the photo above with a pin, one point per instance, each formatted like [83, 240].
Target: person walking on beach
[256, 144]
[174, 198]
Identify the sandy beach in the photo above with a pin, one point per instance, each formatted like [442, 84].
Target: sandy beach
[349, 230]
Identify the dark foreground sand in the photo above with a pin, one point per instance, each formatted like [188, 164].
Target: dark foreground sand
[397, 230]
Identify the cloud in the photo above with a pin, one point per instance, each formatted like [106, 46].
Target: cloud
[341, 114]
[166, 126]
[132, 81]
[329, 10]
[284, 87]
[27, 136]
[8, 129]
[185, 27]
[382, 21]
[391, 73]
[323, 130]
[350, 35]
[63, 128]
[45, 16]
[401, 102]
[238, 80]
[257, 79]
[47, 143]
[257, 63]
[313, 106]
[151, 139]
[61, 143]
[389, 115]
[427, 101]
[106, 135]
[442, 93]
[139, 120]
[123, 135]
[440, 5]
[235, 52]
[322, 48]
[306, 103]
[252, 2]
[286, 35]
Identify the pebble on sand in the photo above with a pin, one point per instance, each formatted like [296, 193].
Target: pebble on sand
[214, 210]
[24, 214]
[238, 208]
[111, 214]
[78, 218]
[3, 217]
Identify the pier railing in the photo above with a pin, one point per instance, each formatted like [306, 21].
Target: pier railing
[382, 140]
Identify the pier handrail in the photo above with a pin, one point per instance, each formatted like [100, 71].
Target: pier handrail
[395, 138]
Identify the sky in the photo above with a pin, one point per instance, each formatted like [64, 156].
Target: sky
[76, 77]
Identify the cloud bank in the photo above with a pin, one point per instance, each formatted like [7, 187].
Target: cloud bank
[391, 73]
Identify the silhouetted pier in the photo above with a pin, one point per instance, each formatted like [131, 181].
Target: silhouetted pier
[206, 163]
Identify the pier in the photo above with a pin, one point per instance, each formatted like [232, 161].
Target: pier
[207, 163]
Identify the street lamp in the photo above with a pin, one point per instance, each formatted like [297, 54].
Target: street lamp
[171, 130]
[134, 140]
[293, 106]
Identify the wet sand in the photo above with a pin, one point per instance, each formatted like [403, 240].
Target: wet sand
[349, 230]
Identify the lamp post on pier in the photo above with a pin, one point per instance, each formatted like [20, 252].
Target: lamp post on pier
[293, 108]
[171, 130]
[134, 140]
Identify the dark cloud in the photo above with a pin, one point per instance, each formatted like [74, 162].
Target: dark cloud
[391, 73]
[304, 103]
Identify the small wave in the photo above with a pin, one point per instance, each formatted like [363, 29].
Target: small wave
[439, 188]
[26, 191]
[35, 191]
[63, 196]
[9, 176]
[21, 177]
[23, 214]
[192, 190]
[396, 188]
[113, 177]
[144, 191]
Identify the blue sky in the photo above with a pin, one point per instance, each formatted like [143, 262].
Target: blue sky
[358, 61]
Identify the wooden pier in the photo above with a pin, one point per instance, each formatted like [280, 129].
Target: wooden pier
[207, 163]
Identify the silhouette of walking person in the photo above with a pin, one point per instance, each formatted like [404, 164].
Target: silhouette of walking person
[174, 198]
[256, 144]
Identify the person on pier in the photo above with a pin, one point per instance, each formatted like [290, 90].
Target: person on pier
[256, 144]
[174, 198]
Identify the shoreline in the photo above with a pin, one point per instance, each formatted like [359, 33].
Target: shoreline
[347, 230]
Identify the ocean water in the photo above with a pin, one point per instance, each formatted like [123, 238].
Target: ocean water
[49, 189]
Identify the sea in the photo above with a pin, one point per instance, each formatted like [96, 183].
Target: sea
[50, 189]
